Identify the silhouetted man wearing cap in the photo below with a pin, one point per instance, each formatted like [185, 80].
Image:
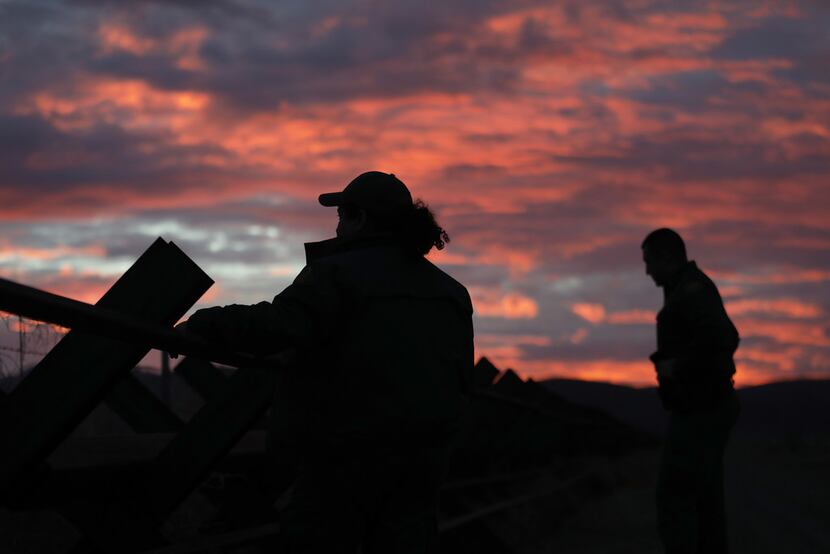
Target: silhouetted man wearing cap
[694, 361]
[383, 343]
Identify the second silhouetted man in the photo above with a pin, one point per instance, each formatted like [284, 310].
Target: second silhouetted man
[694, 361]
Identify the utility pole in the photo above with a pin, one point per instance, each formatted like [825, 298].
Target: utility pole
[165, 378]
[21, 336]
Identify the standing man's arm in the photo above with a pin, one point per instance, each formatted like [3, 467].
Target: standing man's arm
[302, 315]
[712, 339]
[467, 377]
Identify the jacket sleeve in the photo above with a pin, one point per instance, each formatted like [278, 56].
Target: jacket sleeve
[713, 338]
[300, 316]
[468, 368]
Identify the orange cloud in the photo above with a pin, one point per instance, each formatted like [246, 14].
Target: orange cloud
[635, 373]
[114, 37]
[596, 314]
[495, 303]
[753, 374]
[788, 307]
[86, 289]
[631, 317]
[507, 349]
[592, 313]
[131, 103]
[729, 291]
[490, 339]
[785, 276]
[22, 255]
[579, 336]
[785, 332]
[569, 250]
[784, 359]
[183, 44]
[518, 261]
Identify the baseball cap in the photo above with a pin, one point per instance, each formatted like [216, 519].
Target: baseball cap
[380, 194]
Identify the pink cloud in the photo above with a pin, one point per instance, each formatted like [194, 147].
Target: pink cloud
[549, 140]
[596, 314]
[631, 317]
[784, 276]
[784, 332]
[592, 313]
[23, 255]
[509, 305]
[636, 373]
[787, 307]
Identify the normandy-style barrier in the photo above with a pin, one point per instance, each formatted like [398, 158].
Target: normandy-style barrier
[519, 444]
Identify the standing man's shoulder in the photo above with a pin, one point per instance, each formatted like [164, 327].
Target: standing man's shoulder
[458, 291]
[697, 285]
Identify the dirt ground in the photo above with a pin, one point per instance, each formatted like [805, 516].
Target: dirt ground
[778, 501]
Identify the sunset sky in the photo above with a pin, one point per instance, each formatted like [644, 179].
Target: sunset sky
[549, 137]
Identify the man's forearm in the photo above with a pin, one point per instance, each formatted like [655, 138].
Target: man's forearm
[236, 327]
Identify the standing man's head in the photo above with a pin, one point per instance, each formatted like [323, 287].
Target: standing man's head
[664, 254]
[379, 203]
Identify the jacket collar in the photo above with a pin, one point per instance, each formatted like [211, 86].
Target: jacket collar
[316, 250]
[682, 274]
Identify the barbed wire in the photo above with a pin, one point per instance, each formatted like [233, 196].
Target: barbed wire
[27, 352]
[34, 338]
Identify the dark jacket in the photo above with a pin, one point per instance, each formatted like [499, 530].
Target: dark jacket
[694, 330]
[383, 341]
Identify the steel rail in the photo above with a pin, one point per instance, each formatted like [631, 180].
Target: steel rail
[512, 502]
[53, 308]
[235, 538]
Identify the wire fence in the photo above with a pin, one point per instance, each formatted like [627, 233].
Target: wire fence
[23, 342]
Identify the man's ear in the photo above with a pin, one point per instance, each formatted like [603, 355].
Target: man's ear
[362, 218]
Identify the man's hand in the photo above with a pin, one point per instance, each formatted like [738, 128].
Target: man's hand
[181, 328]
[665, 369]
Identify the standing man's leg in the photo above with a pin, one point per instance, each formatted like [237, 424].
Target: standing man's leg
[711, 511]
[713, 537]
[407, 518]
[383, 499]
[677, 486]
[325, 513]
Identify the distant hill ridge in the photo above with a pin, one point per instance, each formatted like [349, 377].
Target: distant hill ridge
[784, 408]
